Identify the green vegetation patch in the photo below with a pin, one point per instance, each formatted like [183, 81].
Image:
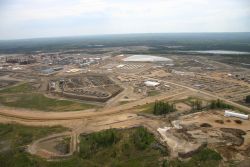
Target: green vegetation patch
[22, 88]
[134, 147]
[38, 101]
[163, 108]
[204, 158]
[219, 104]
[25, 96]
[146, 108]
[153, 93]
[14, 138]
[19, 135]
[119, 148]
[247, 100]
[158, 108]
[130, 147]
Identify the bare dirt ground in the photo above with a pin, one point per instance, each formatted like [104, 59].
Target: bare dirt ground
[39, 116]
[182, 107]
[124, 116]
[229, 138]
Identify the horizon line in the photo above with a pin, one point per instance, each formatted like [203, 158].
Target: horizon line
[116, 34]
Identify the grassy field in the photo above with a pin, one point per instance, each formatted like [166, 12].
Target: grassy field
[38, 101]
[22, 88]
[147, 108]
[153, 93]
[24, 96]
[19, 135]
[14, 137]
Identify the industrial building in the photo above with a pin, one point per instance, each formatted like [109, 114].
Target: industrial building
[151, 83]
[229, 113]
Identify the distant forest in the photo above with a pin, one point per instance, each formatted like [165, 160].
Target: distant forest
[158, 43]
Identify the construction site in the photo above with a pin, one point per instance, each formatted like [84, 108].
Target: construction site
[90, 87]
[118, 92]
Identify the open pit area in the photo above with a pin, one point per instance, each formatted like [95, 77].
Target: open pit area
[191, 132]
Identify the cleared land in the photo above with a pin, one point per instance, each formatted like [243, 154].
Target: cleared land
[24, 96]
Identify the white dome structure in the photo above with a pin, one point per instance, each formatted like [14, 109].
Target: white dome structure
[146, 58]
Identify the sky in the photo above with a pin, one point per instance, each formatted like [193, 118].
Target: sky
[54, 18]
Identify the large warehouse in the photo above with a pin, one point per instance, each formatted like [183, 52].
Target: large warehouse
[151, 83]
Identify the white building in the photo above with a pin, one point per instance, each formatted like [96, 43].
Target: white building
[151, 83]
[229, 113]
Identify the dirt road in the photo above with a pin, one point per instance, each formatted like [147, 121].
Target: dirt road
[39, 116]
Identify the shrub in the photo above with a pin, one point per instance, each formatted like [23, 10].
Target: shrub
[219, 104]
[98, 140]
[205, 125]
[142, 138]
[219, 121]
[238, 121]
[247, 99]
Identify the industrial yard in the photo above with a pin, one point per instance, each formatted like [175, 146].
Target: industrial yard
[111, 83]
[93, 93]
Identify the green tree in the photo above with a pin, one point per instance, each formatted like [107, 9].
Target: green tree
[219, 104]
[196, 105]
[161, 108]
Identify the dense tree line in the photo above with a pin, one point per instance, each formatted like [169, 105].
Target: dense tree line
[142, 138]
[161, 108]
[196, 105]
[219, 104]
[98, 140]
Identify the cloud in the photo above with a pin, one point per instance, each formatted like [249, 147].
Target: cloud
[120, 16]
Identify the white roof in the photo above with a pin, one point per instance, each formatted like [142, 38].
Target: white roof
[229, 113]
[151, 83]
[147, 58]
[120, 66]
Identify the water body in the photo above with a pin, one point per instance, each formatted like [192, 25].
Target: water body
[224, 52]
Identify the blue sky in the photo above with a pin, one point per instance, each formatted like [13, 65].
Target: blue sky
[48, 18]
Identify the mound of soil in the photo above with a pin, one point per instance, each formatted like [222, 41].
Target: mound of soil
[205, 125]
[219, 121]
